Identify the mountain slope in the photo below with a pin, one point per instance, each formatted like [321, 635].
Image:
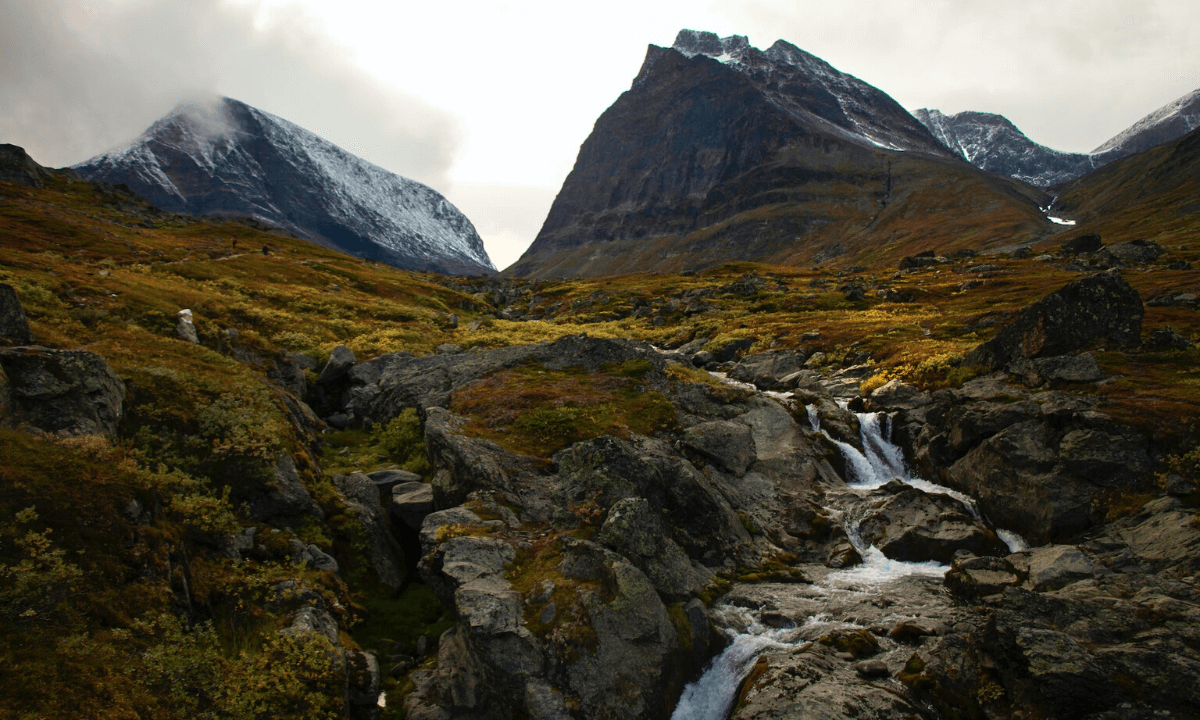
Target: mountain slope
[722, 152]
[991, 142]
[230, 159]
[1153, 195]
[1167, 123]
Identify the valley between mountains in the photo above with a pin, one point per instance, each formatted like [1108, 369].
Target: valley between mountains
[799, 406]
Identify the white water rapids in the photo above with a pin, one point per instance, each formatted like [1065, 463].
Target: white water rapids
[711, 696]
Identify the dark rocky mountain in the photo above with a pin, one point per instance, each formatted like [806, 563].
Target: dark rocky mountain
[230, 159]
[720, 151]
[991, 142]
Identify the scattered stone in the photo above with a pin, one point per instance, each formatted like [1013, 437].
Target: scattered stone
[412, 503]
[452, 321]
[1055, 566]
[448, 349]
[14, 326]
[1089, 243]
[185, 329]
[872, 669]
[1165, 338]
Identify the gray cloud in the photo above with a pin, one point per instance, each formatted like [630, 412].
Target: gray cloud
[79, 77]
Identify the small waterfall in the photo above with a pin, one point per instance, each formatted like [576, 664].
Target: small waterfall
[711, 697]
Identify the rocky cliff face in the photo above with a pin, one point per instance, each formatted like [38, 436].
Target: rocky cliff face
[230, 159]
[720, 151]
[991, 142]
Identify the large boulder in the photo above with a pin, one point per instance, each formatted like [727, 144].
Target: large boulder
[1015, 478]
[1099, 307]
[909, 524]
[62, 392]
[1054, 566]
[14, 326]
[766, 370]
[1137, 252]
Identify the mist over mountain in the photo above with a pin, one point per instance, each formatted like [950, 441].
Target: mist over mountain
[229, 159]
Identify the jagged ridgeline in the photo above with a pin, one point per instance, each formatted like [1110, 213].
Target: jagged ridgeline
[243, 475]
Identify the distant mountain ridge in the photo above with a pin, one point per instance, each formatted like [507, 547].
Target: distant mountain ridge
[991, 142]
[230, 159]
[721, 152]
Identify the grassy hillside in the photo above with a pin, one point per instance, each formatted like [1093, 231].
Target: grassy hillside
[92, 586]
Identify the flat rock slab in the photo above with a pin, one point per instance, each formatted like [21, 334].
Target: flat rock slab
[1057, 566]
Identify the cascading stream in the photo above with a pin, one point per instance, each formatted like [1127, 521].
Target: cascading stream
[711, 697]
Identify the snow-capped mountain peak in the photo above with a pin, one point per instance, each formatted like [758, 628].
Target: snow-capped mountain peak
[228, 158]
[811, 89]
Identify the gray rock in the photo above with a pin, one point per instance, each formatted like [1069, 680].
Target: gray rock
[633, 530]
[1083, 244]
[1056, 566]
[448, 349]
[362, 499]
[1099, 307]
[412, 503]
[1137, 252]
[767, 369]
[340, 361]
[310, 622]
[898, 395]
[61, 392]
[911, 525]
[14, 326]
[872, 668]
[1165, 338]
[977, 577]
[1114, 456]
[1069, 368]
[607, 469]
[185, 329]
[388, 479]
[728, 444]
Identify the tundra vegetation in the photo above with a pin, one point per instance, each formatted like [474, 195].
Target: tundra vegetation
[140, 575]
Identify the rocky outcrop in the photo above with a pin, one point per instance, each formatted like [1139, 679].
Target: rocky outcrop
[362, 499]
[61, 392]
[285, 498]
[14, 326]
[1100, 307]
[17, 167]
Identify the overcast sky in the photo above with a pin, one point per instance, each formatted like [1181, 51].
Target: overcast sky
[488, 102]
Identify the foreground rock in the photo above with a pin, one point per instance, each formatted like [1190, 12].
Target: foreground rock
[61, 392]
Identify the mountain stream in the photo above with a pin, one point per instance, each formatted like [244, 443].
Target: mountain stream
[877, 593]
